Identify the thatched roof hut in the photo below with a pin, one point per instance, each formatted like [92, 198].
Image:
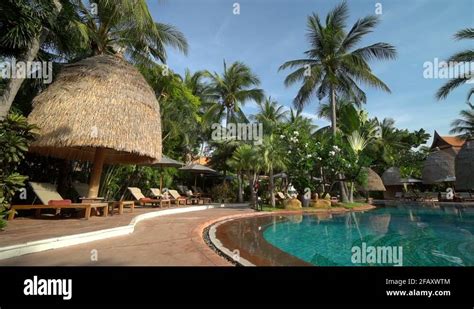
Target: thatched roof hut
[464, 164]
[103, 102]
[99, 109]
[374, 182]
[438, 167]
[392, 177]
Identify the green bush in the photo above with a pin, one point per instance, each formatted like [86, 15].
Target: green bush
[15, 137]
[223, 193]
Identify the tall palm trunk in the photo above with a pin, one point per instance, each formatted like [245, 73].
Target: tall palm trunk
[241, 196]
[253, 194]
[333, 111]
[342, 185]
[351, 192]
[272, 186]
[12, 88]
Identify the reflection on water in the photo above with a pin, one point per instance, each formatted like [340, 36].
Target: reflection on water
[429, 236]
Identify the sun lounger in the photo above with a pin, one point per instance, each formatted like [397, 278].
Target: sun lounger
[51, 199]
[205, 198]
[177, 199]
[142, 200]
[182, 189]
[83, 189]
[156, 193]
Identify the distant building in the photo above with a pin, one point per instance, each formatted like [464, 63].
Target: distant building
[449, 144]
[439, 167]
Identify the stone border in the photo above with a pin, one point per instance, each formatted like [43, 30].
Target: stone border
[75, 239]
[219, 247]
[208, 230]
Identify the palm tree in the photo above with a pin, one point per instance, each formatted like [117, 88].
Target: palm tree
[464, 126]
[196, 83]
[180, 117]
[23, 30]
[272, 158]
[121, 26]
[231, 90]
[246, 161]
[270, 113]
[333, 67]
[296, 119]
[466, 56]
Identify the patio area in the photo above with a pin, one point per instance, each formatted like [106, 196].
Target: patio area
[170, 240]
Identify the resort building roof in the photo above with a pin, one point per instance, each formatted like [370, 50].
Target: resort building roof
[446, 142]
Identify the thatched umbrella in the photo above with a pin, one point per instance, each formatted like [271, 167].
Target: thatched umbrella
[165, 162]
[374, 182]
[438, 167]
[99, 109]
[198, 169]
[392, 177]
[465, 167]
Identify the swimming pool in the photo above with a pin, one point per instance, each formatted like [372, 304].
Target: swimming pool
[427, 236]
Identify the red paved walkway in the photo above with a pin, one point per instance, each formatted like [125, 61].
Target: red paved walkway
[163, 241]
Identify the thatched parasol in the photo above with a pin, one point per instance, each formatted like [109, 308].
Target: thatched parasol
[165, 162]
[198, 169]
[99, 109]
[438, 167]
[374, 182]
[465, 167]
[392, 177]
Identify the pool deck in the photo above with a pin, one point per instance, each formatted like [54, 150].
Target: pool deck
[170, 236]
[172, 240]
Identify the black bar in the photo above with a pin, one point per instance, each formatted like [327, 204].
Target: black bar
[239, 285]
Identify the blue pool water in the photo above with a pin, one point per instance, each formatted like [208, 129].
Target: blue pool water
[428, 237]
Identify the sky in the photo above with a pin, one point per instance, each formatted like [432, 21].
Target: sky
[267, 33]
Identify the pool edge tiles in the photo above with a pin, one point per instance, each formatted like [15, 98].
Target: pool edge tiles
[251, 248]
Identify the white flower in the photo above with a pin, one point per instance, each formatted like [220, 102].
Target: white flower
[332, 153]
[282, 136]
[306, 145]
[289, 151]
[308, 156]
[296, 133]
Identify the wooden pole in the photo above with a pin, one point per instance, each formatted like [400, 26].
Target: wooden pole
[97, 166]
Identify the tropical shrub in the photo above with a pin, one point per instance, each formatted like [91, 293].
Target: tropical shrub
[15, 136]
[300, 148]
[223, 193]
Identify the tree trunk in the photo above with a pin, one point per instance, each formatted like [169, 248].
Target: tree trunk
[344, 191]
[12, 88]
[241, 197]
[272, 188]
[253, 195]
[351, 192]
[333, 112]
[342, 187]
